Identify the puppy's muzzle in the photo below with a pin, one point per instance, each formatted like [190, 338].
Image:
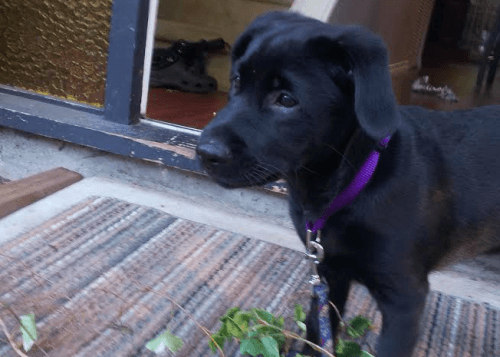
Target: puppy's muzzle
[214, 153]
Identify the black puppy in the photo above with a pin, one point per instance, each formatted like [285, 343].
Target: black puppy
[309, 103]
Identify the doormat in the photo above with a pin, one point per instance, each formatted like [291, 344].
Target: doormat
[100, 278]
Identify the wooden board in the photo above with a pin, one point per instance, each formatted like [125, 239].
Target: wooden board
[20, 193]
[3, 180]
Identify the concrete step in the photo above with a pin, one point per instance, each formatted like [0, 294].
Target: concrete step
[252, 212]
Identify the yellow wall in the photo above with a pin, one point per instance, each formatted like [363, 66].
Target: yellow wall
[227, 18]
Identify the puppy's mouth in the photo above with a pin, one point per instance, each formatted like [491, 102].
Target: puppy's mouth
[239, 175]
[243, 181]
[231, 164]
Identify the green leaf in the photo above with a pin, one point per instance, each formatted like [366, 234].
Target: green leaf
[339, 345]
[265, 330]
[264, 315]
[302, 326]
[273, 332]
[235, 323]
[253, 334]
[242, 319]
[366, 354]
[156, 344]
[270, 347]
[166, 339]
[357, 326]
[279, 337]
[230, 313]
[173, 342]
[347, 349]
[233, 329]
[219, 339]
[352, 332]
[223, 330]
[298, 313]
[251, 346]
[28, 330]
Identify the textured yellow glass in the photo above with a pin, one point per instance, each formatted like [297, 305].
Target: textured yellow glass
[56, 47]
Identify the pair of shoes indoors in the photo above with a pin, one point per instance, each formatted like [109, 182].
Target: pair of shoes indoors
[183, 66]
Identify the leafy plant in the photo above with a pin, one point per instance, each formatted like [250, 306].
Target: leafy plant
[357, 326]
[261, 333]
[299, 316]
[257, 330]
[165, 340]
[28, 330]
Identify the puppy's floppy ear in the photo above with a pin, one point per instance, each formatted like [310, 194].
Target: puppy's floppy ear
[367, 58]
[265, 25]
[262, 24]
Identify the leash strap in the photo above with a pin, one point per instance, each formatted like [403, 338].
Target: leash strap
[361, 179]
[315, 251]
[325, 328]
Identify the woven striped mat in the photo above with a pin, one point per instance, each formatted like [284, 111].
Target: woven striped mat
[100, 278]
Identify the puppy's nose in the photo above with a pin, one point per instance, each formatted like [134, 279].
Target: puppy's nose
[214, 153]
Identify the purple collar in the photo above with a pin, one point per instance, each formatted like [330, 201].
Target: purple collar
[348, 195]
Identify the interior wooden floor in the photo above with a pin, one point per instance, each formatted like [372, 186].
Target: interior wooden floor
[196, 110]
[189, 109]
[461, 77]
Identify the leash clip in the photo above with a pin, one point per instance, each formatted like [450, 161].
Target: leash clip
[315, 253]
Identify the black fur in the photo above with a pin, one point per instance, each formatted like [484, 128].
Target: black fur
[309, 101]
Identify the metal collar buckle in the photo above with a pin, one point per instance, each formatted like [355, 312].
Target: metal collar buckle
[315, 253]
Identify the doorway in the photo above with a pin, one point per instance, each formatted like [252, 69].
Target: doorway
[190, 56]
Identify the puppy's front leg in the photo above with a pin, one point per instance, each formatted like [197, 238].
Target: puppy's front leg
[401, 313]
[338, 280]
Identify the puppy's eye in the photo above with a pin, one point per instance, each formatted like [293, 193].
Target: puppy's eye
[286, 100]
[236, 82]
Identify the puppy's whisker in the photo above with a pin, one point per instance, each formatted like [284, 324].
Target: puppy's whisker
[260, 177]
[257, 176]
[342, 155]
[270, 171]
[263, 171]
[249, 177]
[311, 171]
[266, 173]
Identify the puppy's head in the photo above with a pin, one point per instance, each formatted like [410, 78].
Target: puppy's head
[299, 88]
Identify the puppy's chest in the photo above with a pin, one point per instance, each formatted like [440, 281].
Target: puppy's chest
[336, 236]
[338, 242]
